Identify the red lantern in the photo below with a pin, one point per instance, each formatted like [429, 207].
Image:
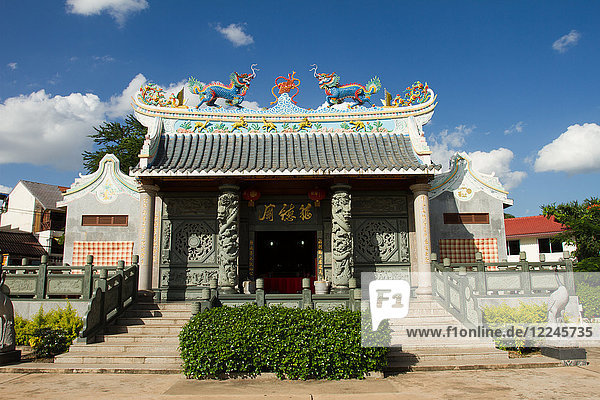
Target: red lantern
[251, 195]
[317, 195]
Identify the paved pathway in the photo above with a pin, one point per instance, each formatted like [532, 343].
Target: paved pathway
[544, 383]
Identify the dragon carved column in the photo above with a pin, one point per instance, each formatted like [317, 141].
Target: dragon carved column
[228, 239]
[341, 237]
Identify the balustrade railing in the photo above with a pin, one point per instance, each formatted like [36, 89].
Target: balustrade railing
[110, 290]
[461, 287]
[112, 296]
[210, 297]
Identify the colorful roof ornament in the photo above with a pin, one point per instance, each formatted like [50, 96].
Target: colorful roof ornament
[286, 86]
[233, 93]
[336, 93]
[418, 93]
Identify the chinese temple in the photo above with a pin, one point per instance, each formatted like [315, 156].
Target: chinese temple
[282, 193]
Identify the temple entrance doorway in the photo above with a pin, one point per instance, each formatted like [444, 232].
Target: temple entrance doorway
[283, 258]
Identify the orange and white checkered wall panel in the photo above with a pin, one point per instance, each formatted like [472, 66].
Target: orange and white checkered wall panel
[105, 253]
[463, 250]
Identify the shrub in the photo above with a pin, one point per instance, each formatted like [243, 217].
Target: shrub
[591, 264]
[503, 315]
[45, 330]
[589, 298]
[293, 343]
[48, 342]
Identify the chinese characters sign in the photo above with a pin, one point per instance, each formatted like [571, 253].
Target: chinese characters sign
[286, 213]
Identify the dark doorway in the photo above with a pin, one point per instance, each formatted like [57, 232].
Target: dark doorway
[283, 258]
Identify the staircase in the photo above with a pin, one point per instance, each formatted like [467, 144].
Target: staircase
[446, 353]
[144, 339]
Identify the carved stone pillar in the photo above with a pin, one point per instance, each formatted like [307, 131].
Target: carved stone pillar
[228, 239]
[147, 202]
[423, 236]
[341, 237]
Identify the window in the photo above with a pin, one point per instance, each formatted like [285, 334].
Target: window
[513, 247]
[104, 220]
[466, 218]
[546, 245]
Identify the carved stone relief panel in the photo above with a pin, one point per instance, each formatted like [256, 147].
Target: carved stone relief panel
[379, 205]
[205, 207]
[379, 240]
[193, 241]
[174, 277]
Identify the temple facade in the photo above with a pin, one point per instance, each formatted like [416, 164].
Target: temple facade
[283, 193]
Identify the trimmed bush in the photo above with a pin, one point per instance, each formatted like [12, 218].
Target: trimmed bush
[48, 342]
[46, 332]
[503, 315]
[293, 343]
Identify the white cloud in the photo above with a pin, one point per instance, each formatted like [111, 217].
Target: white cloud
[518, 127]
[120, 105]
[497, 162]
[563, 43]
[5, 189]
[446, 143]
[12, 65]
[105, 58]
[118, 9]
[42, 129]
[235, 34]
[575, 151]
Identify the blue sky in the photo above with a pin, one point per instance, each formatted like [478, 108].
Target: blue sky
[516, 81]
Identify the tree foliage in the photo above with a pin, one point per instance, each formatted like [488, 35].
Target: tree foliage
[583, 224]
[123, 140]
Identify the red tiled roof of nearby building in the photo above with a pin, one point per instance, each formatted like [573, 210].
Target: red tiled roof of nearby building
[536, 226]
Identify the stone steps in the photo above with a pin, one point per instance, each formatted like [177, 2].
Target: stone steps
[144, 338]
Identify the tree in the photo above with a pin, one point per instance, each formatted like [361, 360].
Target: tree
[583, 224]
[123, 140]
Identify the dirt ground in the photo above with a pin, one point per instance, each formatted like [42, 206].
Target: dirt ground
[542, 383]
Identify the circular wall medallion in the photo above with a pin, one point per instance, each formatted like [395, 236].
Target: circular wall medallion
[464, 193]
[193, 241]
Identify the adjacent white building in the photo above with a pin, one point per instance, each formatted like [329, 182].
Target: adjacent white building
[535, 236]
[32, 207]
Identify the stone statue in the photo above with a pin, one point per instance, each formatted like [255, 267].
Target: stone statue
[557, 302]
[7, 319]
[227, 215]
[341, 239]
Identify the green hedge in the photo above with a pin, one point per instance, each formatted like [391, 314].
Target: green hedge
[48, 333]
[503, 315]
[293, 343]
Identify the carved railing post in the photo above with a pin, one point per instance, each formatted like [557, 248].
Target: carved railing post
[306, 294]
[88, 277]
[121, 277]
[228, 239]
[42, 277]
[260, 292]
[341, 237]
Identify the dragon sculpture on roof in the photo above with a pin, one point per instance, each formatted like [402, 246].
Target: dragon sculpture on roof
[336, 93]
[233, 93]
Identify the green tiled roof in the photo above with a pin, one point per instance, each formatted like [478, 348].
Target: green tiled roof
[249, 154]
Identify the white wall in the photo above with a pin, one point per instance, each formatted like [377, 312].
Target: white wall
[530, 247]
[21, 206]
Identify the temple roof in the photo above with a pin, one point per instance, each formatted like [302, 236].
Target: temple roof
[279, 154]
